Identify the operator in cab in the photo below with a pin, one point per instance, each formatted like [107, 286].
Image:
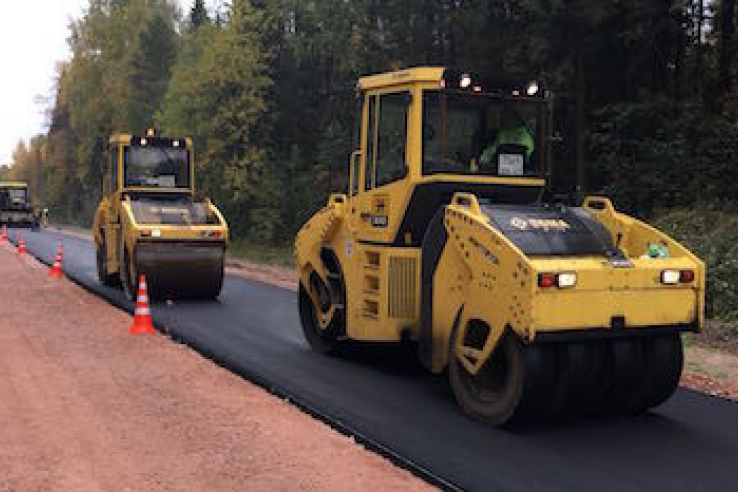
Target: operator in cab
[504, 130]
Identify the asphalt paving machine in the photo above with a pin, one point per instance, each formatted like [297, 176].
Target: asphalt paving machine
[150, 222]
[15, 206]
[446, 239]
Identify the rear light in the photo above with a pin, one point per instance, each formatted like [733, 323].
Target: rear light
[145, 233]
[686, 276]
[546, 280]
[212, 234]
[563, 280]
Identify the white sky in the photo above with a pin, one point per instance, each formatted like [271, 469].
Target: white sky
[33, 37]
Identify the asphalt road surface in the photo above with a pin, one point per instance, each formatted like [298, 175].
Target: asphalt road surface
[688, 444]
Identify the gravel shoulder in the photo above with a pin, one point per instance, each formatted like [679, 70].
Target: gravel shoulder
[711, 362]
[88, 407]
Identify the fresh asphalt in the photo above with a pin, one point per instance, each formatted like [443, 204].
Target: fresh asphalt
[688, 444]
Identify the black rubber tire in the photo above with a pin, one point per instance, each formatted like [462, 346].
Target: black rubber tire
[324, 341]
[129, 278]
[629, 365]
[103, 276]
[665, 361]
[515, 385]
[585, 378]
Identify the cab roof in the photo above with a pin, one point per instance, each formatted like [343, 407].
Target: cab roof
[407, 76]
[127, 138]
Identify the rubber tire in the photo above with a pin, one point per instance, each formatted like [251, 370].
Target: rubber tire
[628, 383]
[526, 376]
[324, 341]
[103, 276]
[585, 379]
[665, 361]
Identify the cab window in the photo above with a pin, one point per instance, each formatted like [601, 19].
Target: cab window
[386, 145]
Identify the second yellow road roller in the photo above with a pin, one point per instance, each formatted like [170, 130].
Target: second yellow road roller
[150, 222]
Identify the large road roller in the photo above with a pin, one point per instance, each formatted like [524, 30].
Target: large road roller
[15, 206]
[150, 222]
[446, 239]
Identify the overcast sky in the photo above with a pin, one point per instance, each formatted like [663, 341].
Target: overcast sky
[33, 37]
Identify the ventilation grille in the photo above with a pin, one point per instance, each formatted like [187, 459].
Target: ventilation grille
[402, 272]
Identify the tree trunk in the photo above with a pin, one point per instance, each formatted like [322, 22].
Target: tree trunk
[727, 41]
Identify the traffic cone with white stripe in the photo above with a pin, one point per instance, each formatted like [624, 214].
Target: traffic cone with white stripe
[56, 269]
[22, 246]
[142, 324]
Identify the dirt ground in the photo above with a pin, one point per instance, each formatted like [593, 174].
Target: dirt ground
[84, 406]
[711, 358]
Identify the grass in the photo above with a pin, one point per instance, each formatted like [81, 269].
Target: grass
[281, 255]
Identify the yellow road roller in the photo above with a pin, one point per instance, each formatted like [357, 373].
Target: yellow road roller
[445, 238]
[150, 222]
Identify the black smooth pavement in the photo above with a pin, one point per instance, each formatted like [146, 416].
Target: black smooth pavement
[688, 444]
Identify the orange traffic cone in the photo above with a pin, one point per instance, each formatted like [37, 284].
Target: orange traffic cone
[56, 269]
[142, 324]
[22, 246]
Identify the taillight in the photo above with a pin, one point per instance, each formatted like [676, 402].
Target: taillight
[546, 280]
[686, 276]
[563, 280]
[145, 233]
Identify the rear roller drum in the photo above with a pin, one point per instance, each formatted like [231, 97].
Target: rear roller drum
[515, 384]
[129, 278]
[103, 276]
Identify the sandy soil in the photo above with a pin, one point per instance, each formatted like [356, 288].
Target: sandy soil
[85, 407]
[711, 364]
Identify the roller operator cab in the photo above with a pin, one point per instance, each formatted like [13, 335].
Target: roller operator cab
[149, 221]
[535, 310]
[15, 206]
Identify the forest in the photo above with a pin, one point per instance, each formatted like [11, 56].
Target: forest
[646, 102]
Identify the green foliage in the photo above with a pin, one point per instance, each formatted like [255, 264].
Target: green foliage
[711, 232]
[658, 154]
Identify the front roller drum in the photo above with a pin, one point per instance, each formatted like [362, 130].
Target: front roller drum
[181, 271]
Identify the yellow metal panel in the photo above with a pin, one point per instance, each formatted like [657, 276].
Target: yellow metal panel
[571, 310]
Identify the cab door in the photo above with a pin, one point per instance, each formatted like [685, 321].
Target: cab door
[383, 166]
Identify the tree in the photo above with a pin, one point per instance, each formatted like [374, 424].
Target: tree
[199, 15]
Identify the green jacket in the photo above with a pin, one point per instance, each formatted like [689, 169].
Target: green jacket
[513, 136]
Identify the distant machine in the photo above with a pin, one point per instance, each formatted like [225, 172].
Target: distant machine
[446, 239]
[149, 221]
[15, 206]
